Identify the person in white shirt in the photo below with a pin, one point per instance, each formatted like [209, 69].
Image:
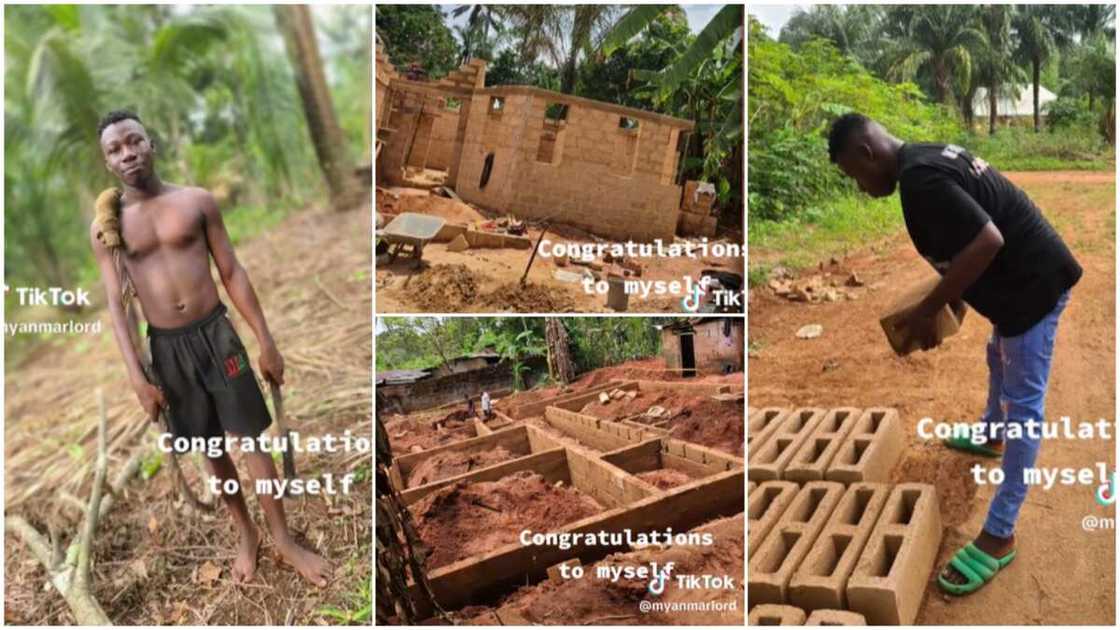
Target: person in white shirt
[486, 409]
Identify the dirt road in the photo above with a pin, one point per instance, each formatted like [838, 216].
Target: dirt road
[1062, 575]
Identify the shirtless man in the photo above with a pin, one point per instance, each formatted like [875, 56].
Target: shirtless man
[204, 378]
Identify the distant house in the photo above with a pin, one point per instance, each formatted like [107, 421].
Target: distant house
[403, 391]
[1008, 106]
[468, 375]
[703, 345]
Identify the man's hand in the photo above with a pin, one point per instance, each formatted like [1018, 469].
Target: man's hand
[920, 329]
[271, 365]
[151, 399]
[959, 309]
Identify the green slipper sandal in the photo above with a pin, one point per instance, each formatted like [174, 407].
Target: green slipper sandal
[975, 565]
[962, 443]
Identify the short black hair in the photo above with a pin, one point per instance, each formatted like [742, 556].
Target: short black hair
[113, 117]
[843, 128]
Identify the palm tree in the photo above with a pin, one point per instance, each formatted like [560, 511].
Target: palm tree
[1042, 30]
[938, 39]
[996, 67]
[294, 23]
[854, 29]
[561, 32]
[217, 108]
[705, 81]
[482, 19]
[1089, 20]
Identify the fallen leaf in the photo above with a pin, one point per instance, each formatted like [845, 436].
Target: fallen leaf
[139, 567]
[208, 572]
[153, 525]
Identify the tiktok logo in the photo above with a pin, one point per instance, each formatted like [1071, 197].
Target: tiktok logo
[691, 302]
[1106, 493]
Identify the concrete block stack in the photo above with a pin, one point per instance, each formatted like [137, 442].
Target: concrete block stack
[830, 541]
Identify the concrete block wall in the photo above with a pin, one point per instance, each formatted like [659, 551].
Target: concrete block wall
[611, 181]
[586, 170]
[502, 134]
[384, 73]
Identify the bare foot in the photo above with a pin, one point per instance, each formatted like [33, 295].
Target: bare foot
[307, 563]
[245, 565]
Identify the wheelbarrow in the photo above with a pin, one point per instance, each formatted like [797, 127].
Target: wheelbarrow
[408, 233]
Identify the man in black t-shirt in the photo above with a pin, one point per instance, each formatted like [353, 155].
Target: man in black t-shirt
[996, 252]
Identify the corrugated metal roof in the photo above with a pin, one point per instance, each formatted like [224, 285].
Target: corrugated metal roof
[399, 377]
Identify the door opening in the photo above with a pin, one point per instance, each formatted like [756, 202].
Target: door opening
[688, 356]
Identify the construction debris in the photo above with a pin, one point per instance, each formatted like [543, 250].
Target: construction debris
[459, 244]
[810, 331]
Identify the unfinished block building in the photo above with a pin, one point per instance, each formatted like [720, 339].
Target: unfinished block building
[611, 170]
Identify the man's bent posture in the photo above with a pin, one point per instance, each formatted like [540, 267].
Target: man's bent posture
[168, 234]
[995, 250]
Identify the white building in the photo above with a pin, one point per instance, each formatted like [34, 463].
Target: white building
[1010, 106]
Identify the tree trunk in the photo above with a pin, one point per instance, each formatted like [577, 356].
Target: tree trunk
[941, 82]
[1036, 78]
[568, 79]
[560, 366]
[992, 104]
[968, 113]
[294, 23]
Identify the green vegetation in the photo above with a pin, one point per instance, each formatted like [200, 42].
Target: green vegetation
[360, 610]
[917, 69]
[214, 88]
[594, 342]
[639, 56]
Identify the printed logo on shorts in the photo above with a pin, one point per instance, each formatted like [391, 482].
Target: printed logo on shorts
[235, 365]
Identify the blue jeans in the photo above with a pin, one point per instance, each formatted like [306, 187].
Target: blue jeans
[1019, 369]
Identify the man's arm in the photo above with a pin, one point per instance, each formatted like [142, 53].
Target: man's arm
[959, 225]
[965, 269]
[240, 289]
[151, 398]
